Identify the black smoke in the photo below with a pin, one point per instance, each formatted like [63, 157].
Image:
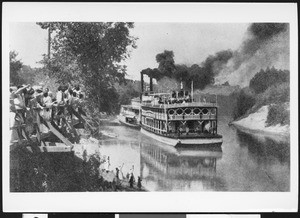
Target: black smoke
[260, 33]
[265, 45]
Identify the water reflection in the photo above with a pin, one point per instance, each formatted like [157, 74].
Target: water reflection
[166, 168]
[271, 157]
[265, 147]
[244, 162]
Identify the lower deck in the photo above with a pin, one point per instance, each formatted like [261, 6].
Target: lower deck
[174, 140]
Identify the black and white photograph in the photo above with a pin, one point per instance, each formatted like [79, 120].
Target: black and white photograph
[139, 108]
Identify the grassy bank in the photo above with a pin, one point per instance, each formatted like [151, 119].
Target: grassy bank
[79, 171]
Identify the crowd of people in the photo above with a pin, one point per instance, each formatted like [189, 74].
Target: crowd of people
[180, 97]
[27, 100]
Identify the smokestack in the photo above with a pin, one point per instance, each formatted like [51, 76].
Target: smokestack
[151, 84]
[142, 82]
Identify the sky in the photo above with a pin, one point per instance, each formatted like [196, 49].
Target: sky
[191, 43]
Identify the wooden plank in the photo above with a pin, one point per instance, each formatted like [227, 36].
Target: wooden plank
[33, 139]
[81, 118]
[73, 130]
[58, 134]
[51, 149]
[38, 132]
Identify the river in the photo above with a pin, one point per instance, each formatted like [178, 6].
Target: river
[244, 162]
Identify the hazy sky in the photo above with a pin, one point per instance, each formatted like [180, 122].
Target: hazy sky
[190, 42]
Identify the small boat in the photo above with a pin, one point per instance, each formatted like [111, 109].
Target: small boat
[178, 119]
[129, 114]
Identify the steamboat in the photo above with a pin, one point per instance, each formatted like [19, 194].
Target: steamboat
[177, 118]
[129, 114]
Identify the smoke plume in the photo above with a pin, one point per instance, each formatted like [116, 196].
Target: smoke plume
[265, 45]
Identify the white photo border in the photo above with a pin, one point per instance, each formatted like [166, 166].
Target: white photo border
[157, 201]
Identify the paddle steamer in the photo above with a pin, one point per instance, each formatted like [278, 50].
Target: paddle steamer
[178, 118]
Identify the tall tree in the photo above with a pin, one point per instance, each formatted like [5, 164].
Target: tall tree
[166, 63]
[92, 54]
[15, 66]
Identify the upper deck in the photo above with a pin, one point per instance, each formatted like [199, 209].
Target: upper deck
[166, 100]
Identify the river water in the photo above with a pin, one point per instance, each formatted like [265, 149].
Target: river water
[244, 162]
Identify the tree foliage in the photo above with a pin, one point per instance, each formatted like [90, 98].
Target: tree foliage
[90, 54]
[266, 78]
[245, 101]
[15, 66]
[166, 63]
[128, 90]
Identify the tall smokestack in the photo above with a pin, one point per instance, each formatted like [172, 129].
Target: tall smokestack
[151, 84]
[142, 82]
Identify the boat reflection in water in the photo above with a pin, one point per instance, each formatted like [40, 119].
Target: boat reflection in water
[168, 168]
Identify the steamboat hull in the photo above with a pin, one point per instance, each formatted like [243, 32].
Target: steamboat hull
[183, 141]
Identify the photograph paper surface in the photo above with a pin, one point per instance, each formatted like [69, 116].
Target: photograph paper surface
[149, 107]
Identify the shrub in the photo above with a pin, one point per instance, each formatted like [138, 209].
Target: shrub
[278, 114]
[278, 93]
[266, 78]
[244, 101]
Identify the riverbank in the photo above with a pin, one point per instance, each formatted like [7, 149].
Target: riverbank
[257, 123]
[86, 168]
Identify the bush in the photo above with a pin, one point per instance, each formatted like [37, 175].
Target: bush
[244, 101]
[278, 114]
[266, 78]
[276, 94]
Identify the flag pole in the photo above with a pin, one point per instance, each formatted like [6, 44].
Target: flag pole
[192, 89]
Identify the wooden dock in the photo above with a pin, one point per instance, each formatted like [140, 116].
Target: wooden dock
[57, 137]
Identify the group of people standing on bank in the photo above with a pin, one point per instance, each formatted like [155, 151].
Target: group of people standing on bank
[27, 100]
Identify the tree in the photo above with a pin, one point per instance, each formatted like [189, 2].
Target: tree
[166, 63]
[127, 91]
[92, 54]
[28, 74]
[266, 78]
[15, 67]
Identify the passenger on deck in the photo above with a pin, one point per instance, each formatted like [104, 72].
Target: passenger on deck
[187, 130]
[173, 99]
[173, 94]
[188, 98]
